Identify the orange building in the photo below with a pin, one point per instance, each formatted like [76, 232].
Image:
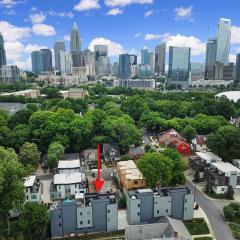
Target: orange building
[130, 176]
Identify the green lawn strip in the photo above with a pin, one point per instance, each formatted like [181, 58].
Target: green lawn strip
[203, 238]
[197, 226]
[235, 230]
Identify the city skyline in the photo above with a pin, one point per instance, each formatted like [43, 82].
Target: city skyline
[179, 23]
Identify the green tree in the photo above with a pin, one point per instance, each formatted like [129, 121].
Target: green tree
[230, 193]
[156, 168]
[225, 142]
[29, 154]
[228, 213]
[11, 185]
[55, 153]
[189, 133]
[33, 221]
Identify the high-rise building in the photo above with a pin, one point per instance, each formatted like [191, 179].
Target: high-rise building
[9, 74]
[100, 51]
[3, 60]
[89, 61]
[211, 52]
[65, 63]
[124, 68]
[47, 60]
[179, 66]
[152, 60]
[78, 59]
[75, 42]
[103, 66]
[160, 52]
[58, 47]
[237, 71]
[144, 71]
[223, 40]
[144, 56]
[133, 59]
[37, 62]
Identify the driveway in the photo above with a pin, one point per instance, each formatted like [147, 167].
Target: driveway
[214, 213]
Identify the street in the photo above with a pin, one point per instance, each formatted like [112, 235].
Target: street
[210, 207]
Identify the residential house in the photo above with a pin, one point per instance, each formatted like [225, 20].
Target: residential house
[90, 157]
[221, 175]
[32, 189]
[176, 202]
[70, 164]
[199, 143]
[201, 161]
[91, 212]
[110, 152]
[136, 152]
[67, 185]
[129, 175]
[173, 138]
[167, 229]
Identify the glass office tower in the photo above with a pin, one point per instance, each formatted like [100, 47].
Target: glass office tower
[75, 43]
[58, 47]
[37, 62]
[124, 67]
[2, 52]
[179, 66]
[223, 40]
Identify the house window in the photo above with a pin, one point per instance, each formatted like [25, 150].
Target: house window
[88, 221]
[108, 210]
[81, 222]
[185, 200]
[138, 213]
[75, 185]
[138, 205]
[135, 182]
[59, 216]
[166, 210]
[157, 211]
[59, 224]
[223, 189]
[80, 213]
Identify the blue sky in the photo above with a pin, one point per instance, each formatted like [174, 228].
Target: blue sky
[125, 25]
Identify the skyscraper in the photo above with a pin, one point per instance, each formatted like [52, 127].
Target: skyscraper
[211, 52]
[65, 63]
[58, 46]
[100, 51]
[103, 66]
[179, 66]
[75, 42]
[37, 62]
[2, 52]
[160, 52]
[124, 68]
[237, 72]
[144, 56]
[46, 60]
[223, 40]
[152, 60]
[89, 61]
[133, 59]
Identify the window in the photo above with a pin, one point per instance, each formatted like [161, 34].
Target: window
[81, 222]
[157, 211]
[59, 216]
[138, 205]
[59, 224]
[185, 200]
[166, 210]
[75, 185]
[88, 221]
[223, 189]
[80, 213]
[135, 182]
[108, 210]
[138, 213]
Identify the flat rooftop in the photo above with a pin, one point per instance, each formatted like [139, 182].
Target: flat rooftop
[226, 167]
[208, 156]
[69, 178]
[29, 181]
[68, 164]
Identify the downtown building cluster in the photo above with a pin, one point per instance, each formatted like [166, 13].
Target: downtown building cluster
[8, 73]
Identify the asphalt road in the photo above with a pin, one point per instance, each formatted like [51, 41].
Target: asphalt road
[220, 228]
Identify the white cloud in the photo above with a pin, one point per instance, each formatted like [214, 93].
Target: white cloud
[43, 30]
[148, 13]
[85, 5]
[138, 34]
[151, 36]
[25, 65]
[115, 11]
[67, 37]
[197, 46]
[37, 18]
[114, 49]
[235, 35]
[183, 13]
[123, 3]
[10, 12]
[33, 9]
[61, 14]
[9, 3]
[232, 58]
[14, 50]
[13, 33]
[32, 47]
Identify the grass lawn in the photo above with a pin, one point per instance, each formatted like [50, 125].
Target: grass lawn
[197, 226]
[203, 238]
[235, 230]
